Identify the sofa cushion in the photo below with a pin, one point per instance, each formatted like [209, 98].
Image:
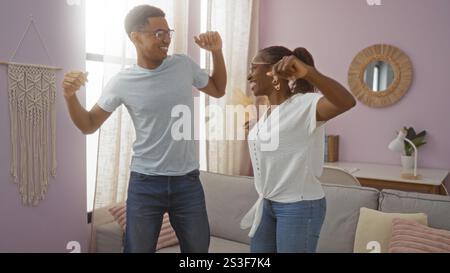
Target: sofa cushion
[436, 207]
[228, 198]
[343, 204]
[412, 237]
[109, 238]
[217, 245]
[375, 227]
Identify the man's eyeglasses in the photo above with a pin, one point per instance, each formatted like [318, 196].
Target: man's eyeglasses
[161, 34]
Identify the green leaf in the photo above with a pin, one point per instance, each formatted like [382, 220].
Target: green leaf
[411, 134]
[408, 149]
[418, 140]
[422, 134]
[421, 144]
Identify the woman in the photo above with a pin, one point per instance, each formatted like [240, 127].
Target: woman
[290, 211]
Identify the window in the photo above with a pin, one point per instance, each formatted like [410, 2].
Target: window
[202, 96]
[108, 50]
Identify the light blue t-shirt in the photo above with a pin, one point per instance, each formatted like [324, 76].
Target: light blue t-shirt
[149, 96]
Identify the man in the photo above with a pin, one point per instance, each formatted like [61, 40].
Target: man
[164, 170]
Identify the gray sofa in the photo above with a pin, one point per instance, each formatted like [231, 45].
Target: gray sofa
[228, 198]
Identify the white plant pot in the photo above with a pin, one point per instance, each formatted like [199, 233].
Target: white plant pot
[407, 162]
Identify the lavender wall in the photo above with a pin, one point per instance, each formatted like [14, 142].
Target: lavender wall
[335, 31]
[61, 217]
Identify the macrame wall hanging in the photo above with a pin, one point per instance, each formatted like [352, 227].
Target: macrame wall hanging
[32, 93]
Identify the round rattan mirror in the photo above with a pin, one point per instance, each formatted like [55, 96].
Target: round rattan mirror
[380, 75]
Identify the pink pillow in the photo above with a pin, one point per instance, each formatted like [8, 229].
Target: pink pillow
[167, 236]
[119, 214]
[412, 237]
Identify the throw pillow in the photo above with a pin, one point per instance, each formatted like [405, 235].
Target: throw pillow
[374, 228]
[412, 237]
[167, 236]
[119, 214]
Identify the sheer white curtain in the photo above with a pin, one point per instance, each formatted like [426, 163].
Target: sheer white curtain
[237, 22]
[115, 52]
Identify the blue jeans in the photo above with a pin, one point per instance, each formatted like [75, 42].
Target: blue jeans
[289, 227]
[149, 197]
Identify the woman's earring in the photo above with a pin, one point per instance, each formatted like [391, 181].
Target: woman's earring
[292, 86]
[276, 84]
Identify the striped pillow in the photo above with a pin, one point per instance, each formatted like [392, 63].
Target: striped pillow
[167, 236]
[119, 214]
[412, 237]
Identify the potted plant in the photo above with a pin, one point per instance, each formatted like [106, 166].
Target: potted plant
[418, 140]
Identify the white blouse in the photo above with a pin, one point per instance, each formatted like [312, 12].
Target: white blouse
[286, 150]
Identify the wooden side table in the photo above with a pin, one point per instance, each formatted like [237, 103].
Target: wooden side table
[381, 176]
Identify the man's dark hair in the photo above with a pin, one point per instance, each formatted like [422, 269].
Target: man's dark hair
[137, 18]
